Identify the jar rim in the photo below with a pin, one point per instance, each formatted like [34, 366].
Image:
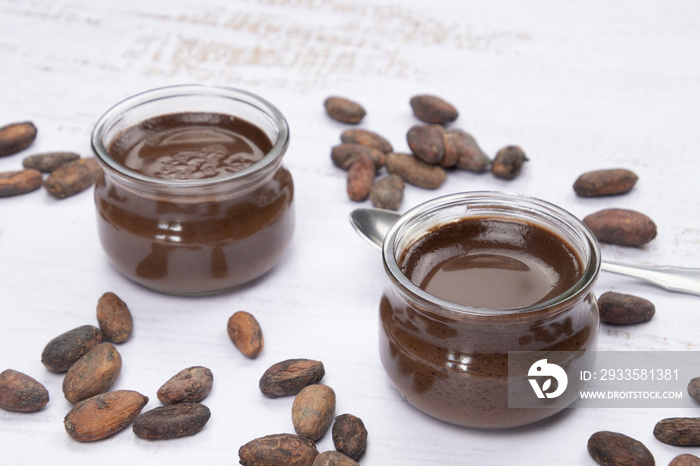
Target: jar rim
[267, 162]
[497, 198]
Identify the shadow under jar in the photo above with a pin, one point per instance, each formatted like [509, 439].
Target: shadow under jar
[194, 198]
[472, 277]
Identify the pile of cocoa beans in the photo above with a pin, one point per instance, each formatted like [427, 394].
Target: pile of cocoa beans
[67, 173]
[436, 150]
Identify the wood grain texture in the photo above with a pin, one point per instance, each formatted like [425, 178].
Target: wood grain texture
[579, 86]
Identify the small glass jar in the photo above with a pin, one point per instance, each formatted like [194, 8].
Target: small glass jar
[194, 236]
[451, 361]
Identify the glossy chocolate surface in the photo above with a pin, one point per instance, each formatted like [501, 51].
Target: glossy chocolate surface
[184, 146]
[492, 263]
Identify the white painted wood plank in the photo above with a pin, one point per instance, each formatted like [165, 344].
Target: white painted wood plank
[578, 85]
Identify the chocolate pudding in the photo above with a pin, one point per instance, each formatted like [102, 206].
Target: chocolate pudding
[484, 286]
[190, 146]
[492, 263]
[193, 239]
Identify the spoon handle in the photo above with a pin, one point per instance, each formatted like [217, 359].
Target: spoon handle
[681, 279]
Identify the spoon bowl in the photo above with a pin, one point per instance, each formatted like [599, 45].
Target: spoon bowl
[373, 224]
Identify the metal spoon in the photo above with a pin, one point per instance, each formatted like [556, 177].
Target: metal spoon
[373, 224]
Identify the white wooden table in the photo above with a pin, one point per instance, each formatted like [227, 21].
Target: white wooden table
[578, 85]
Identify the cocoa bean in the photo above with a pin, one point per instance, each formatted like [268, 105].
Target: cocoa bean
[349, 435]
[433, 109]
[451, 150]
[190, 385]
[508, 162]
[16, 137]
[615, 449]
[21, 393]
[166, 422]
[605, 182]
[366, 138]
[387, 192]
[64, 350]
[694, 389]
[333, 458]
[415, 171]
[622, 227]
[17, 182]
[92, 374]
[290, 377]
[312, 411]
[245, 332]
[287, 449]
[114, 318]
[427, 143]
[343, 155]
[344, 110]
[685, 460]
[469, 155]
[72, 177]
[360, 178]
[103, 415]
[682, 431]
[619, 308]
[49, 161]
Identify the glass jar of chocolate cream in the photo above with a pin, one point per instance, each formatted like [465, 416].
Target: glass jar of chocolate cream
[194, 198]
[472, 277]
